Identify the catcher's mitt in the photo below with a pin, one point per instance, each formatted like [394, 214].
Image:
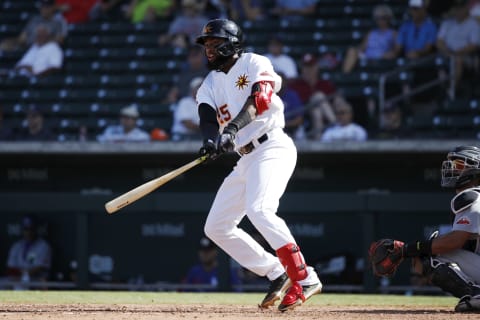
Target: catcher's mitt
[385, 256]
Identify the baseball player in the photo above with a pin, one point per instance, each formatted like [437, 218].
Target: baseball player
[240, 111]
[451, 261]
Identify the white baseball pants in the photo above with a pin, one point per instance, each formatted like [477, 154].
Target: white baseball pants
[254, 188]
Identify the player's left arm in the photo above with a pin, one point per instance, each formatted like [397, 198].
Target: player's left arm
[450, 241]
[256, 104]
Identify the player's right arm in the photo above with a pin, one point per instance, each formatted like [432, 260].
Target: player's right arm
[207, 112]
[209, 128]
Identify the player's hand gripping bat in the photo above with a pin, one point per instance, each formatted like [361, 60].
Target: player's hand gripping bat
[144, 189]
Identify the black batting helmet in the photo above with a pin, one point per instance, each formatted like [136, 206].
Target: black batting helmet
[461, 167]
[225, 29]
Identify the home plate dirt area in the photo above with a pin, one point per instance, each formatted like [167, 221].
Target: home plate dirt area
[16, 311]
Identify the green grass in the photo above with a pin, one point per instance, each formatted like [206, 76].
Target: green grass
[116, 297]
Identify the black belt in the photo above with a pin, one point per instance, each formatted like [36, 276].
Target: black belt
[246, 149]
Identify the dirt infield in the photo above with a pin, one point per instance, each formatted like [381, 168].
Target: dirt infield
[224, 312]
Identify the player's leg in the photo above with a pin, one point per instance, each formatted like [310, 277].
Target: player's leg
[466, 264]
[455, 273]
[222, 227]
[267, 178]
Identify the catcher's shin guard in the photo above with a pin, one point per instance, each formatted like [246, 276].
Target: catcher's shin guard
[292, 260]
[450, 278]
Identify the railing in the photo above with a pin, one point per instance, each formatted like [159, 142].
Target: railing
[436, 59]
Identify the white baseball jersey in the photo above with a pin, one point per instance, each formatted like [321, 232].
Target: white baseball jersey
[227, 93]
[466, 207]
[467, 218]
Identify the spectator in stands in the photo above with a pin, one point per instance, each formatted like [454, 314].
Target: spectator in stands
[281, 61]
[5, 132]
[206, 271]
[149, 10]
[194, 66]
[29, 259]
[184, 28]
[75, 11]
[379, 43]
[392, 125]
[459, 36]
[127, 131]
[246, 10]
[35, 129]
[293, 110]
[345, 129]
[475, 12]
[185, 115]
[417, 36]
[49, 16]
[106, 10]
[314, 93]
[43, 57]
[216, 9]
[294, 10]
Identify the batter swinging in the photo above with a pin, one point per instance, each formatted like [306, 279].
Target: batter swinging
[240, 111]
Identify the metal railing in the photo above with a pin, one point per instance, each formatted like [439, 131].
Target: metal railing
[410, 64]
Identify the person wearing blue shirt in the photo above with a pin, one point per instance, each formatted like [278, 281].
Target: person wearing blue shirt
[417, 36]
[294, 109]
[205, 273]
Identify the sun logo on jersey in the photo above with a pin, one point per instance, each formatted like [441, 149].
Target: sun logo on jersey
[242, 82]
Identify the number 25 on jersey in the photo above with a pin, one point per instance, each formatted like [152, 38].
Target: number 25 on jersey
[223, 115]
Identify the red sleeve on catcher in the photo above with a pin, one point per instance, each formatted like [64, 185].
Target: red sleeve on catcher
[292, 260]
[262, 93]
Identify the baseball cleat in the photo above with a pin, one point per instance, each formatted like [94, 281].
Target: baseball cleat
[276, 289]
[298, 294]
[468, 304]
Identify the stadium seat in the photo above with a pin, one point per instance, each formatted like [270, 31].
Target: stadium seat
[79, 54]
[118, 81]
[82, 80]
[261, 26]
[154, 110]
[86, 95]
[355, 91]
[153, 66]
[421, 125]
[76, 109]
[121, 94]
[460, 106]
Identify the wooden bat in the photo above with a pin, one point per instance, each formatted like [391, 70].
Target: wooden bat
[142, 190]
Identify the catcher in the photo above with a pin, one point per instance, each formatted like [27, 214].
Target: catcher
[450, 261]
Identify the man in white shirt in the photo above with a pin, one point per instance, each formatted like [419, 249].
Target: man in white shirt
[282, 63]
[459, 36]
[344, 129]
[44, 55]
[185, 117]
[127, 131]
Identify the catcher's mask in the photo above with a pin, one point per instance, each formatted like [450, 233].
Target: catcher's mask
[227, 30]
[461, 167]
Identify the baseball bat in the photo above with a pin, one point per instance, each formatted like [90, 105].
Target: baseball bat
[142, 190]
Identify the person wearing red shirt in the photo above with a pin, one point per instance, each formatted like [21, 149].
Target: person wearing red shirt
[314, 93]
[75, 11]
